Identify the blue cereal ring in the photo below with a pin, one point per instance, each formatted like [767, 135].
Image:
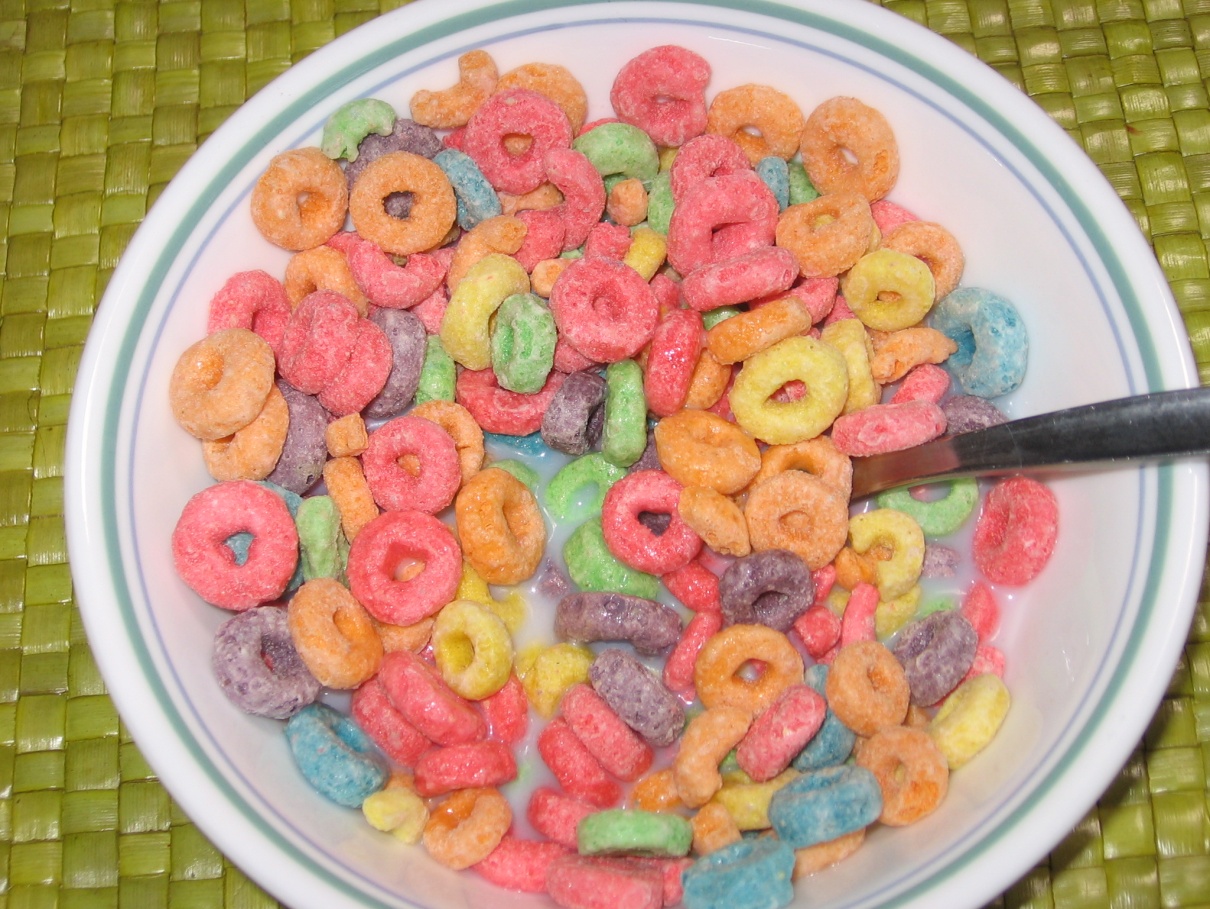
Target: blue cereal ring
[747, 874]
[834, 741]
[476, 197]
[334, 755]
[993, 347]
[775, 173]
[825, 804]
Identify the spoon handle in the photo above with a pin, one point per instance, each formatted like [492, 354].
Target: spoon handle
[1153, 426]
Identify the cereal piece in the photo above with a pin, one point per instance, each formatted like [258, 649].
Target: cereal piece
[588, 882]
[334, 756]
[706, 741]
[848, 146]
[810, 859]
[319, 341]
[738, 338]
[719, 218]
[515, 112]
[323, 548]
[624, 433]
[346, 437]
[748, 802]
[772, 587]
[462, 428]
[432, 476]
[981, 610]
[466, 827]
[937, 517]
[993, 346]
[888, 290]
[936, 652]
[465, 329]
[254, 300]
[939, 561]
[604, 309]
[827, 235]
[656, 792]
[406, 336]
[583, 191]
[886, 529]
[820, 366]
[662, 91]
[468, 765]
[406, 136]
[715, 518]
[352, 122]
[618, 748]
[472, 649]
[718, 676]
[1016, 531]
[818, 457]
[383, 722]
[925, 382]
[300, 200]
[593, 567]
[778, 735]
[866, 688]
[556, 815]
[970, 718]
[398, 811]
[417, 691]
[849, 336]
[363, 376]
[732, 280]
[542, 280]
[761, 119]
[967, 413]
[881, 428]
[322, 268]
[652, 492]
[708, 155]
[935, 246]
[637, 696]
[589, 616]
[433, 211]
[626, 202]
[629, 831]
[746, 874]
[554, 82]
[858, 621]
[498, 410]
[619, 149]
[820, 806]
[796, 511]
[775, 173]
[389, 285]
[547, 672]
[523, 343]
[713, 828]
[900, 351]
[671, 358]
[452, 107]
[258, 667]
[544, 233]
[501, 527]
[220, 383]
[566, 421]
[520, 865]
[819, 628]
[346, 483]
[580, 486]
[834, 741]
[394, 540]
[333, 634]
[574, 766]
[477, 198]
[251, 452]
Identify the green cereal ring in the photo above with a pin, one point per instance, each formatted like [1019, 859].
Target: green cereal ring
[591, 566]
[574, 479]
[719, 314]
[619, 148]
[522, 472]
[324, 550]
[624, 435]
[801, 187]
[631, 831]
[523, 343]
[940, 517]
[659, 203]
[354, 121]
[438, 374]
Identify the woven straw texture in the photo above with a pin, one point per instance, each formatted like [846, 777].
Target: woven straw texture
[101, 102]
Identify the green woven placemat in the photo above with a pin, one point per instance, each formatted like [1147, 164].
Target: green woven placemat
[100, 104]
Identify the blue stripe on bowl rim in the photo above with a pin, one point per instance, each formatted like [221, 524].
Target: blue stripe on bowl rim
[1157, 496]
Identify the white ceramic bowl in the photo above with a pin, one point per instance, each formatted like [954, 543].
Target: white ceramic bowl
[1090, 644]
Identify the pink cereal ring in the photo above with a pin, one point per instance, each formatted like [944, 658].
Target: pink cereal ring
[662, 91]
[520, 865]
[428, 448]
[759, 273]
[604, 309]
[544, 234]
[515, 112]
[208, 565]
[678, 668]
[363, 375]
[981, 610]
[926, 382]
[555, 815]
[619, 749]
[387, 284]
[709, 155]
[857, 623]
[575, 767]
[318, 341]
[422, 697]
[394, 541]
[431, 310]
[887, 427]
[471, 765]
[502, 411]
[781, 732]
[888, 215]
[721, 217]
[651, 491]
[1016, 531]
[583, 192]
[391, 731]
[254, 300]
[816, 294]
[590, 882]
[507, 712]
[607, 241]
[695, 585]
[671, 360]
[819, 628]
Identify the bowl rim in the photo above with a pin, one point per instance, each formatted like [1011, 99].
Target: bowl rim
[94, 550]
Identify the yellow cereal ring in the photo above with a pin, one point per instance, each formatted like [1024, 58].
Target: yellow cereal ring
[829, 234]
[333, 634]
[891, 615]
[301, 199]
[763, 121]
[500, 526]
[897, 353]
[646, 253]
[748, 802]
[462, 428]
[888, 290]
[349, 490]
[472, 649]
[219, 384]
[739, 337]
[451, 107]
[799, 512]
[252, 452]
[398, 811]
[434, 207]
[501, 234]
[718, 678]
[322, 268]
[818, 457]
[704, 744]
[548, 671]
[936, 246]
[465, 328]
[700, 448]
[849, 336]
[819, 366]
[347, 436]
[969, 718]
[849, 146]
[886, 527]
[718, 520]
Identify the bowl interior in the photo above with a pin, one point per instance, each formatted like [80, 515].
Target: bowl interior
[1037, 225]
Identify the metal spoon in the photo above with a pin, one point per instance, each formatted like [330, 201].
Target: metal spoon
[1159, 426]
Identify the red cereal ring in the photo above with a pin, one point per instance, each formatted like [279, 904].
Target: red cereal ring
[848, 146]
[709, 155]
[618, 748]
[520, 865]
[926, 382]
[911, 771]
[418, 692]
[544, 233]
[604, 309]
[391, 731]
[208, 565]
[721, 217]
[432, 476]
[434, 206]
[553, 81]
[591, 882]
[887, 427]
[573, 175]
[300, 200]
[662, 91]
[729, 282]
[465, 766]
[364, 374]
[501, 527]
[318, 341]
[390, 285]
[1016, 531]
[671, 361]
[678, 668]
[390, 543]
[507, 712]
[695, 585]
[631, 541]
[777, 736]
[608, 241]
[575, 767]
[502, 411]
[254, 300]
[515, 112]
[555, 815]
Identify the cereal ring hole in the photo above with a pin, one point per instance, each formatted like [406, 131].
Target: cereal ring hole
[751, 671]
[457, 652]
[655, 521]
[410, 463]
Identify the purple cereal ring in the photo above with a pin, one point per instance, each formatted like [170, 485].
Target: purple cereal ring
[652, 627]
[637, 695]
[649, 459]
[662, 91]
[939, 561]
[568, 418]
[966, 413]
[305, 451]
[406, 335]
[772, 587]
[515, 112]
[936, 652]
[257, 666]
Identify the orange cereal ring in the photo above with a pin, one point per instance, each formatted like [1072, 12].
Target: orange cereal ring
[819, 457]
[501, 234]
[546, 196]
[704, 744]
[465, 828]
[716, 519]
[462, 428]
[720, 677]
[322, 268]
[713, 828]
[848, 146]
[933, 244]
[251, 453]
[333, 634]
[500, 526]
[452, 107]
[346, 436]
[739, 337]
[797, 511]
[708, 382]
[656, 792]
[434, 206]
[899, 352]
[827, 235]
[220, 384]
[910, 769]
[556, 83]
[301, 199]
[810, 859]
[350, 491]
[763, 121]
[867, 688]
[414, 637]
[700, 448]
[626, 203]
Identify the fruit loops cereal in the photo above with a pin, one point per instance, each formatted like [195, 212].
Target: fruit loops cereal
[540, 450]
